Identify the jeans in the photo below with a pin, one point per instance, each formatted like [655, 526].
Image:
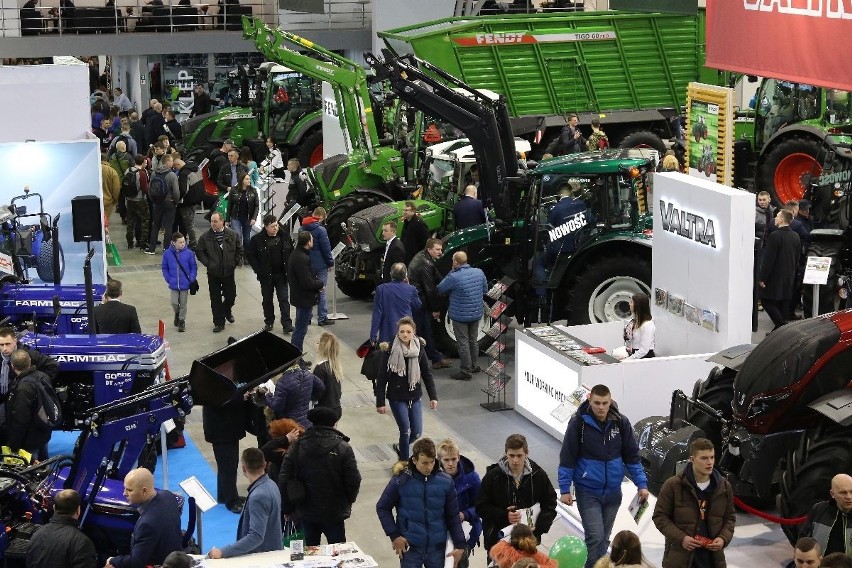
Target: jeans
[223, 294]
[322, 310]
[409, 420]
[415, 557]
[334, 531]
[242, 227]
[275, 284]
[598, 515]
[179, 303]
[423, 321]
[303, 320]
[162, 218]
[466, 333]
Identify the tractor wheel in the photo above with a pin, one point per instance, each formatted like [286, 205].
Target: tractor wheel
[602, 291]
[44, 263]
[343, 210]
[310, 150]
[718, 393]
[357, 289]
[783, 171]
[822, 453]
[445, 337]
[643, 139]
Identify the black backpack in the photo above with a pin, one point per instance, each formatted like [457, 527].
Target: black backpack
[49, 412]
[158, 189]
[130, 184]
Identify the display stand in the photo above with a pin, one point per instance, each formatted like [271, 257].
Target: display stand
[334, 315]
[204, 501]
[816, 274]
[495, 390]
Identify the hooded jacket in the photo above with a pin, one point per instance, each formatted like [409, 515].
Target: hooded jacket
[325, 462]
[179, 267]
[321, 258]
[426, 509]
[498, 492]
[293, 394]
[677, 515]
[595, 457]
[467, 484]
[392, 386]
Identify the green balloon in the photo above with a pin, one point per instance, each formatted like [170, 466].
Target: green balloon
[569, 552]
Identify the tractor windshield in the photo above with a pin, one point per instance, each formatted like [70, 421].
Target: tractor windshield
[290, 95]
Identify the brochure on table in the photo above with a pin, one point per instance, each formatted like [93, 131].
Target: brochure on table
[345, 555]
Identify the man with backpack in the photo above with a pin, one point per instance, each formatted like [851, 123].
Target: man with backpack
[124, 136]
[191, 185]
[24, 429]
[134, 189]
[164, 193]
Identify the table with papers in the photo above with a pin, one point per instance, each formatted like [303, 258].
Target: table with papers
[344, 555]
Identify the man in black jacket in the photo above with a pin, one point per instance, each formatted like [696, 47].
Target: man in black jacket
[298, 191]
[424, 275]
[415, 233]
[778, 268]
[267, 253]
[304, 286]
[218, 158]
[200, 101]
[23, 430]
[229, 173]
[59, 543]
[219, 250]
[113, 315]
[325, 462]
[394, 251]
[827, 522]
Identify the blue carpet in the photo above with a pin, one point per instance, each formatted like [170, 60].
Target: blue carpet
[220, 525]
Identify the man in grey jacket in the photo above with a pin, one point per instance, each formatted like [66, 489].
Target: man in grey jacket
[259, 529]
[163, 215]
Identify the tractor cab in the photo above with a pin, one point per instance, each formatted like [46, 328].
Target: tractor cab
[287, 97]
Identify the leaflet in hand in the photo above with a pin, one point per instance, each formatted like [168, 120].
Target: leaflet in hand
[637, 509]
[529, 516]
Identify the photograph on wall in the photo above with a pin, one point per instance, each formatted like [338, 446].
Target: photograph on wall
[709, 132]
[661, 297]
[39, 181]
[692, 314]
[709, 320]
[703, 139]
[675, 305]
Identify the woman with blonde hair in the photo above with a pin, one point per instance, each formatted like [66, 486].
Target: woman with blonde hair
[626, 551]
[522, 544]
[330, 372]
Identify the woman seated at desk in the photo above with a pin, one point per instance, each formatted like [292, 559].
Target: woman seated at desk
[640, 332]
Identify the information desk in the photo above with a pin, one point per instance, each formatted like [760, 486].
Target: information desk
[546, 378]
[346, 555]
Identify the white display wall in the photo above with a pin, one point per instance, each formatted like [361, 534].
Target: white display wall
[703, 257]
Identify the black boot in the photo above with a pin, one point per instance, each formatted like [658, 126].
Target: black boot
[177, 320]
[182, 325]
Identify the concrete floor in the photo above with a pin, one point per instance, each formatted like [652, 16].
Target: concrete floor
[479, 433]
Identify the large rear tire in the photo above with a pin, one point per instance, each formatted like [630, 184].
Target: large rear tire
[357, 289]
[716, 392]
[445, 337]
[643, 139]
[311, 150]
[783, 171]
[823, 452]
[343, 210]
[601, 293]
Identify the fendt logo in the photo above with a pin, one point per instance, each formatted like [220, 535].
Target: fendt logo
[511, 37]
[831, 9]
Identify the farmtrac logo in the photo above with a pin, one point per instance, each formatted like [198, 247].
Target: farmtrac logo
[830, 9]
[90, 358]
[48, 303]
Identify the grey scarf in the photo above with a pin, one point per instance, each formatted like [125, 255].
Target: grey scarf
[397, 360]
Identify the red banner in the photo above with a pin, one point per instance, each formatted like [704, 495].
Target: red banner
[806, 41]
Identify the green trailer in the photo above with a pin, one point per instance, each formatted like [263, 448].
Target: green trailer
[630, 70]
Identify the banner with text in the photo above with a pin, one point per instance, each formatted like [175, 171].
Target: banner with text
[796, 40]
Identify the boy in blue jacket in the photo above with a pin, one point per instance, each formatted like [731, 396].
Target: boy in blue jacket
[180, 271]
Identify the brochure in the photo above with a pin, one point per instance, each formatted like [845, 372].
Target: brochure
[637, 509]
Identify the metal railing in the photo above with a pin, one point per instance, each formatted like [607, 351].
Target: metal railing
[339, 14]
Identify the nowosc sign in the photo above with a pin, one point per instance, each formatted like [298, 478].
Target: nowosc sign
[797, 40]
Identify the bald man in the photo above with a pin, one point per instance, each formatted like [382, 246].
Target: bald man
[827, 522]
[157, 531]
[466, 286]
[468, 210]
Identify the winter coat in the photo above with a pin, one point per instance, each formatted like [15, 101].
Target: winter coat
[221, 262]
[272, 452]
[468, 212]
[179, 268]
[224, 424]
[60, 544]
[414, 235]
[467, 484]
[779, 264]
[393, 301]
[110, 185]
[252, 204]
[426, 509]
[293, 394]
[466, 286]
[330, 397]
[262, 251]
[596, 458]
[304, 286]
[325, 462]
[676, 515]
[392, 386]
[298, 190]
[23, 431]
[156, 533]
[821, 519]
[498, 492]
[320, 254]
[423, 274]
[223, 177]
[505, 555]
[567, 218]
[173, 193]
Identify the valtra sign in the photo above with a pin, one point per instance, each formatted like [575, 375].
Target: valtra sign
[796, 40]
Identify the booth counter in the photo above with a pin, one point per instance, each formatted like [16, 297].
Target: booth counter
[546, 378]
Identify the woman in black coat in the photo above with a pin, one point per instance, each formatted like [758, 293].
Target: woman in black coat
[243, 206]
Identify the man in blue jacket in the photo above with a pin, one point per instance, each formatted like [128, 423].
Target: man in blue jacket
[321, 259]
[157, 531]
[259, 529]
[394, 300]
[426, 510]
[598, 447]
[466, 287]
